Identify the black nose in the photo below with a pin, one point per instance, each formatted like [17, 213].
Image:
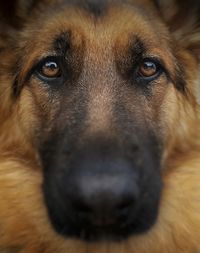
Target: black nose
[103, 192]
[105, 201]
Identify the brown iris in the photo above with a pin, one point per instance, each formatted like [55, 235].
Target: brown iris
[51, 69]
[148, 69]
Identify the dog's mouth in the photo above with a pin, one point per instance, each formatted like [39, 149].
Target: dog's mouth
[114, 232]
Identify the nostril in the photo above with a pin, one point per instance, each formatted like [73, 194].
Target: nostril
[82, 207]
[125, 206]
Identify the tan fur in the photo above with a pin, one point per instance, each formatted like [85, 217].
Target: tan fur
[24, 223]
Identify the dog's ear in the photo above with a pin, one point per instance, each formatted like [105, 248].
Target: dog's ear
[13, 12]
[183, 20]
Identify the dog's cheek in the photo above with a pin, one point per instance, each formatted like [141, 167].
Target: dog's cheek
[28, 114]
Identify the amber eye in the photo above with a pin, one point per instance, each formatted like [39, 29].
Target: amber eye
[148, 69]
[50, 69]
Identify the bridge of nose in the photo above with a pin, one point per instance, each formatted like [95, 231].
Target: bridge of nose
[101, 78]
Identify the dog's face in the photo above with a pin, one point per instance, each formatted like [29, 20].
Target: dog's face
[98, 80]
[99, 88]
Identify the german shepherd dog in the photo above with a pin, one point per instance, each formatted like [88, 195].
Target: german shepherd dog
[99, 126]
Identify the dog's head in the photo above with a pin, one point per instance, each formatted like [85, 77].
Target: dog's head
[96, 89]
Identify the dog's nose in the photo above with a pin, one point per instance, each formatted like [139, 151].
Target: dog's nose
[105, 193]
[105, 202]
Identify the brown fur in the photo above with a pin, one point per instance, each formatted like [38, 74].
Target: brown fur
[24, 223]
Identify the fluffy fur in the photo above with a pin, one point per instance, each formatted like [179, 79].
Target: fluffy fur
[24, 223]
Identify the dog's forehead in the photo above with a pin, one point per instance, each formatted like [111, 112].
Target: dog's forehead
[95, 7]
[99, 27]
[99, 8]
[112, 15]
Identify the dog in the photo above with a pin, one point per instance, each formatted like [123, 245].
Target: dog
[99, 126]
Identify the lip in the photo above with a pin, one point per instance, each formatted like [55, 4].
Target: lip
[104, 233]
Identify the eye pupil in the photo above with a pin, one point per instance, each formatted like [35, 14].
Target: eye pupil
[50, 69]
[148, 69]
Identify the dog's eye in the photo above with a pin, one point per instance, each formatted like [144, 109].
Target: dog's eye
[50, 69]
[149, 69]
